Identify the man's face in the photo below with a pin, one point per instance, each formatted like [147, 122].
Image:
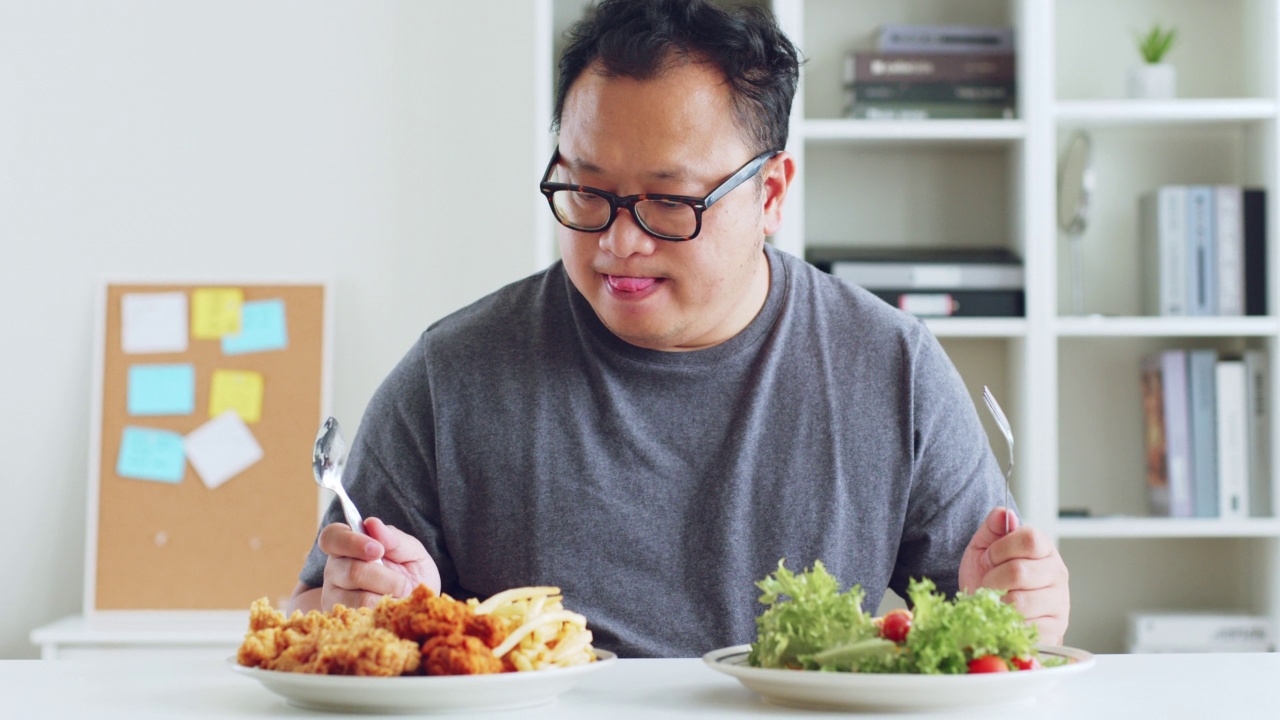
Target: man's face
[674, 134]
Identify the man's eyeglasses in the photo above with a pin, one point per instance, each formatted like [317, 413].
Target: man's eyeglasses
[667, 217]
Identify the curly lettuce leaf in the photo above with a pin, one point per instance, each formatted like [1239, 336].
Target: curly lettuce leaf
[946, 634]
[811, 625]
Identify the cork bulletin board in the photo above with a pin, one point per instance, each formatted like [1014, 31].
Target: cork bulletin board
[207, 401]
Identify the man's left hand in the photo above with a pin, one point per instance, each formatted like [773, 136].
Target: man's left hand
[1026, 565]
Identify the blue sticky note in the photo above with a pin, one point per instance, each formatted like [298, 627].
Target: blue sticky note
[162, 389]
[147, 454]
[262, 327]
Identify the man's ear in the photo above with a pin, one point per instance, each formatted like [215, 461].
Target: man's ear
[778, 173]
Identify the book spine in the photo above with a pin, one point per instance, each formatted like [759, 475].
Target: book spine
[1173, 250]
[1255, 252]
[1233, 442]
[1153, 275]
[1177, 431]
[944, 39]
[930, 111]
[1229, 216]
[1154, 436]
[1201, 366]
[1201, 270]
[1257, 405]
[873, 92]
[928, 67]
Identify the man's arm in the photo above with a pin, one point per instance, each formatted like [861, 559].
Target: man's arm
[952, 533]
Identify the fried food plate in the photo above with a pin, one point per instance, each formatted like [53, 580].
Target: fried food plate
[423, 694]
[895, 692]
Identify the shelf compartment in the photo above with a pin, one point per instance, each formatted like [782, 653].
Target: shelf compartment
[977, 327]
[959, 131]
[1158, 112]
[1153, 527]
[1151, 326]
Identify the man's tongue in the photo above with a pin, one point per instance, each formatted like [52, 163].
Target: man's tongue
[631, 284]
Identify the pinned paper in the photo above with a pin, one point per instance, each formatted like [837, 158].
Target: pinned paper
[147, 454]
[262, 328]
[221, 449]
[215, 312]
[153, 322]
[162, 389]
[237, 390]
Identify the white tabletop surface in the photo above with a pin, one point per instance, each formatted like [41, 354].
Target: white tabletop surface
[1120, 686]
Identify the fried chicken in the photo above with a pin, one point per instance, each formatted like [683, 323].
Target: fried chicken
[423, 615]
[458, 654]
[341, 642]
[422, 632]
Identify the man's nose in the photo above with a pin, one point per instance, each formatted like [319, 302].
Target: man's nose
[625, 237]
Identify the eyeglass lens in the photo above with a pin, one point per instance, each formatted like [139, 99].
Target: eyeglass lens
[587, 211]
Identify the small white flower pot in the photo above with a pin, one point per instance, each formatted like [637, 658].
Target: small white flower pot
[1158, 81]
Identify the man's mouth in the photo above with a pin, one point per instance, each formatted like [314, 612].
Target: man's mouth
[631, 286]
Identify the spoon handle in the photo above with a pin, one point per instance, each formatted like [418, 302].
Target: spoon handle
[351, 514]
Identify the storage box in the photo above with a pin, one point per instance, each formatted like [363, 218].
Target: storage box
[1154, 632]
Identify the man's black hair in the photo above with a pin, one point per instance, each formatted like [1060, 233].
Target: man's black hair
[640, 39]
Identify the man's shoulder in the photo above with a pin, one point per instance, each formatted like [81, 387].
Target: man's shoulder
[838, 308]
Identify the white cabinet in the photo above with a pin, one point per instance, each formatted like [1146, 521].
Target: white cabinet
[1069, 383]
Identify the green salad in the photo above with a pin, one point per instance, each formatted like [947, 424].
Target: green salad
[810, 625]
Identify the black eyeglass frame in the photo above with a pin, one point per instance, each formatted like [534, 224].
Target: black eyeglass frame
[699, 204]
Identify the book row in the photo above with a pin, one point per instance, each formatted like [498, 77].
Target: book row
[1204, 250]
[1206, 426]
[933, 71]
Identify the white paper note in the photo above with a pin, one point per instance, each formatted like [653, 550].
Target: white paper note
[221, 449]
[153, 322]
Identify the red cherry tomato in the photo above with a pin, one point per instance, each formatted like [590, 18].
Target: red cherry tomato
[988, 664]
[896, 625]
[1028, 663]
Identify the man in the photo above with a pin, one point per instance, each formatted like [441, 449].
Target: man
[654, 421]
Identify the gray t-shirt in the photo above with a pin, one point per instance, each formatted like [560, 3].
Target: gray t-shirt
[525, 444]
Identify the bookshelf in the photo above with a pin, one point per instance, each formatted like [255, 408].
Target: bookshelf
[1068, 383]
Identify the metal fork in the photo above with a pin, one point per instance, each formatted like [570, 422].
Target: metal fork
[1003, 423]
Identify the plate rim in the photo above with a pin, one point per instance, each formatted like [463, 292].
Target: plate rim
[603, 659]
[716, 660]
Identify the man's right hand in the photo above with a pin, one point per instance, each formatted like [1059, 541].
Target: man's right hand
[353, 578]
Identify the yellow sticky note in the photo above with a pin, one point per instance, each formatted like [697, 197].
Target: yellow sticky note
[215, 312]
[239, 390]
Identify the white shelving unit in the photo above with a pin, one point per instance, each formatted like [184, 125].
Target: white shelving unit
[1069, 383]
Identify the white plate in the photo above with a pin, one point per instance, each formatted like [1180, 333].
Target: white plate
[855, 691]
[423, 694]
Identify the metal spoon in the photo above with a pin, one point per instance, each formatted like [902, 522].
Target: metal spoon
[328, 459]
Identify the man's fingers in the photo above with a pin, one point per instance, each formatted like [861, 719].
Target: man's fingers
[397, 546]
[366, 577]
[1034, 604]
[992, 528]
[339, 540]
[1021, 574]
[1023, 543]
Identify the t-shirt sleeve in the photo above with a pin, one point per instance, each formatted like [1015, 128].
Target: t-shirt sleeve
[955, 479]
[391, 470]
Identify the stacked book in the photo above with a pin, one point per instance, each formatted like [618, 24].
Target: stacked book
[921, 72]
[1206, 434]
[1204, 250]
[932, 282]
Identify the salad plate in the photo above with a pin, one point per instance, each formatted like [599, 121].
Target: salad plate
[420, 694]
[896, 692]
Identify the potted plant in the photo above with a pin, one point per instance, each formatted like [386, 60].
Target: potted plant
[1154, 79]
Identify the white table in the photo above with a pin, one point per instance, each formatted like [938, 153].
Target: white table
[1120, 686]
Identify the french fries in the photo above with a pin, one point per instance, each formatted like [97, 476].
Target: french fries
[544, 634]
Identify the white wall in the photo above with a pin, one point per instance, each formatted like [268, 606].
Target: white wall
[385, 146]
